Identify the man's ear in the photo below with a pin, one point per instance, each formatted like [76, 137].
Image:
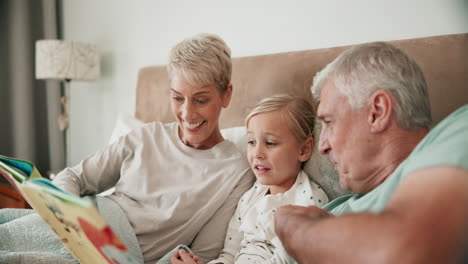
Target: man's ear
[380, 111]
[306, 149]
[227, 95]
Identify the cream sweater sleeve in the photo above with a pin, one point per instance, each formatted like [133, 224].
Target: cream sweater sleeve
[95, 173]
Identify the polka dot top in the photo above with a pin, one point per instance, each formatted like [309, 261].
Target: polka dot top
[250, 236]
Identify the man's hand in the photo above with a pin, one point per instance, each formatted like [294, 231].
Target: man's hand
[285, 217]
[312, 212]
[181, 257]
[289, 220]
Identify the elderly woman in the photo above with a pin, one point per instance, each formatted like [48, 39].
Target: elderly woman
[176, 183]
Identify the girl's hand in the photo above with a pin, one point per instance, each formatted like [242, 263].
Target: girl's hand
[181, 257]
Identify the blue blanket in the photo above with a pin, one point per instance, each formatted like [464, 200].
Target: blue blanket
[26, 238]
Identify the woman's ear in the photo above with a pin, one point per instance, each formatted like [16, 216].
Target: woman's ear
[306, 149]
[227, 95]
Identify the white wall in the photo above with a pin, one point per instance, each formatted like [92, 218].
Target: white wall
[133, 34]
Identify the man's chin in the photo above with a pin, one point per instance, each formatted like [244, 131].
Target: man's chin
[344, 184]
[344, 187]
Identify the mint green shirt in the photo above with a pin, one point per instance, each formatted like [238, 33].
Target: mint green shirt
[445, 145]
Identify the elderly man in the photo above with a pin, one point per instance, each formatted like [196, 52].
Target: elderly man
[411, 184]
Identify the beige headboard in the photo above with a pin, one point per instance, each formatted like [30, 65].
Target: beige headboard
[444, 61]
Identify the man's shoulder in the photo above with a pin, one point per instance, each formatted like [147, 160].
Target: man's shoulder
[451, 128]
[458, 118]
[445, 145]
[461, 111]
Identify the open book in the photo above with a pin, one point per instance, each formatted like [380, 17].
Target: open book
[75, 220]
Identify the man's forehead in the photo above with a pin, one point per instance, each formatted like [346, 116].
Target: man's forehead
[328, 95]
[323, 111]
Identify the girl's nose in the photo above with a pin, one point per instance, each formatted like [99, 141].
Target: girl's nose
[259, 153]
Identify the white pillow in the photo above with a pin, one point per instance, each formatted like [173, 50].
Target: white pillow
[124, 124]
[238, 136]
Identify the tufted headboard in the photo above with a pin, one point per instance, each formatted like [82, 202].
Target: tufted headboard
[443, 59]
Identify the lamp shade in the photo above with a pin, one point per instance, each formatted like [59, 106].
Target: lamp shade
[66, 60]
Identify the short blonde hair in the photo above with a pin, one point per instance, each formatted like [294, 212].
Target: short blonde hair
[298, 111]
[204, 59]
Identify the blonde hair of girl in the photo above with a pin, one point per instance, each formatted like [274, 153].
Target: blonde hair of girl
[299, 113]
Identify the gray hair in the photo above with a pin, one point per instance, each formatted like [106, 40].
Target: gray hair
[204, 59]
[298, 111]
[363, 69]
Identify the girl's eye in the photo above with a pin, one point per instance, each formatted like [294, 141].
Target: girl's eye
[250, 142]
[201, 101]
[270, 143]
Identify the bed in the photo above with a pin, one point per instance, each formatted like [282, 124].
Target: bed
[443, 59]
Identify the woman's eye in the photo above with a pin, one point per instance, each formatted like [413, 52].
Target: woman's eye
[201, 101]
[250, 142]
[177, 98]
[270, 143]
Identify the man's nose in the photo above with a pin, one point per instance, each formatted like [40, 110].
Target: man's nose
[324, 146]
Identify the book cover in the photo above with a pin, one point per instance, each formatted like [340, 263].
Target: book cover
[75, 220]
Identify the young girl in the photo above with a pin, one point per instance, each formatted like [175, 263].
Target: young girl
[279, 131]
